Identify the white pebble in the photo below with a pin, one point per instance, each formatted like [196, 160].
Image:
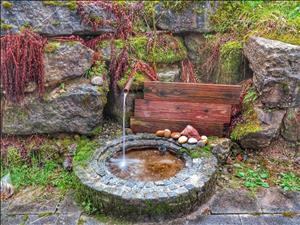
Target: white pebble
[192, 140]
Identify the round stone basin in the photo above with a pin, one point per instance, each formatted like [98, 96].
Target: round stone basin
[156, 191]
[146, 165]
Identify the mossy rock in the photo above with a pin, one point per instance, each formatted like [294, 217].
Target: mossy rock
[69, 4]
[167, 51]
[230, 64]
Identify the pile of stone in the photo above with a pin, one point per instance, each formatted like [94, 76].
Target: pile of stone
[189, 135]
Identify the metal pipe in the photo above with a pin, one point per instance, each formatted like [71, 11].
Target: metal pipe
[128, 85]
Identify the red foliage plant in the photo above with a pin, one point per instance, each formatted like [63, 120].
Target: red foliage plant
[120, 16]
[144, 68]
[187, 72]
[70, 38]
[21, 62]
[118, 65]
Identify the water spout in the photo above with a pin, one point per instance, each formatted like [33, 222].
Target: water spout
[128, 85]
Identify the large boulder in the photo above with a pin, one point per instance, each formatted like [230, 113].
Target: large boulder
[52, 18]
[192, 19]
[291, 125]
[66, 60]
[77, 109]
[269, 127]
[276, 67]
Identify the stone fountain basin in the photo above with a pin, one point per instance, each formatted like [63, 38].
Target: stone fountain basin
[146, 200]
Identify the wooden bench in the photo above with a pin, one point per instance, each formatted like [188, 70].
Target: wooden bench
[207, 107]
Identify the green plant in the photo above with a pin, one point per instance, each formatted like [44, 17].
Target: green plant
[250, 97]
[62, 86]
[52, 47]
[254, 178]
[13, 157]
[98, 69]
[289, 181]
[88, 207]
[7, 4]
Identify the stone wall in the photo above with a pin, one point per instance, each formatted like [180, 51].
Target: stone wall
[68, 62]
[276, 78]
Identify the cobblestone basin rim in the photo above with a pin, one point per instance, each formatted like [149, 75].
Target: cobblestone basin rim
[166, 198]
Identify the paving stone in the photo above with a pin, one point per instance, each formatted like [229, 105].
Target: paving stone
[88, 220]
[216, 220]
[42, 220]
[234, 201]
[274, 200]
[12, 220]
[269, 220]
[68, 219]
[69, 205]
[34, 201]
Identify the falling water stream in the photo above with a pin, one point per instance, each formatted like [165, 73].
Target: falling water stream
[123, 163]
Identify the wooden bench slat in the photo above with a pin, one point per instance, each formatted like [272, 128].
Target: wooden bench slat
[205, 112]
[192, 92]
[149, 125]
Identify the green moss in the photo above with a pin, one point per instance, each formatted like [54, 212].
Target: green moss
[230, 63]
[103, 90]
[167, 51]
[45, 214]
[244, 129]
[285, 88]
[5, 26]
[289, 214]
[98, 69]
[52, 47]
[7, 4]
[250, 122]
[96, 131]
[198, 152]
[138, 81]
[85, 149]
[69, 4]
[24, 219]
